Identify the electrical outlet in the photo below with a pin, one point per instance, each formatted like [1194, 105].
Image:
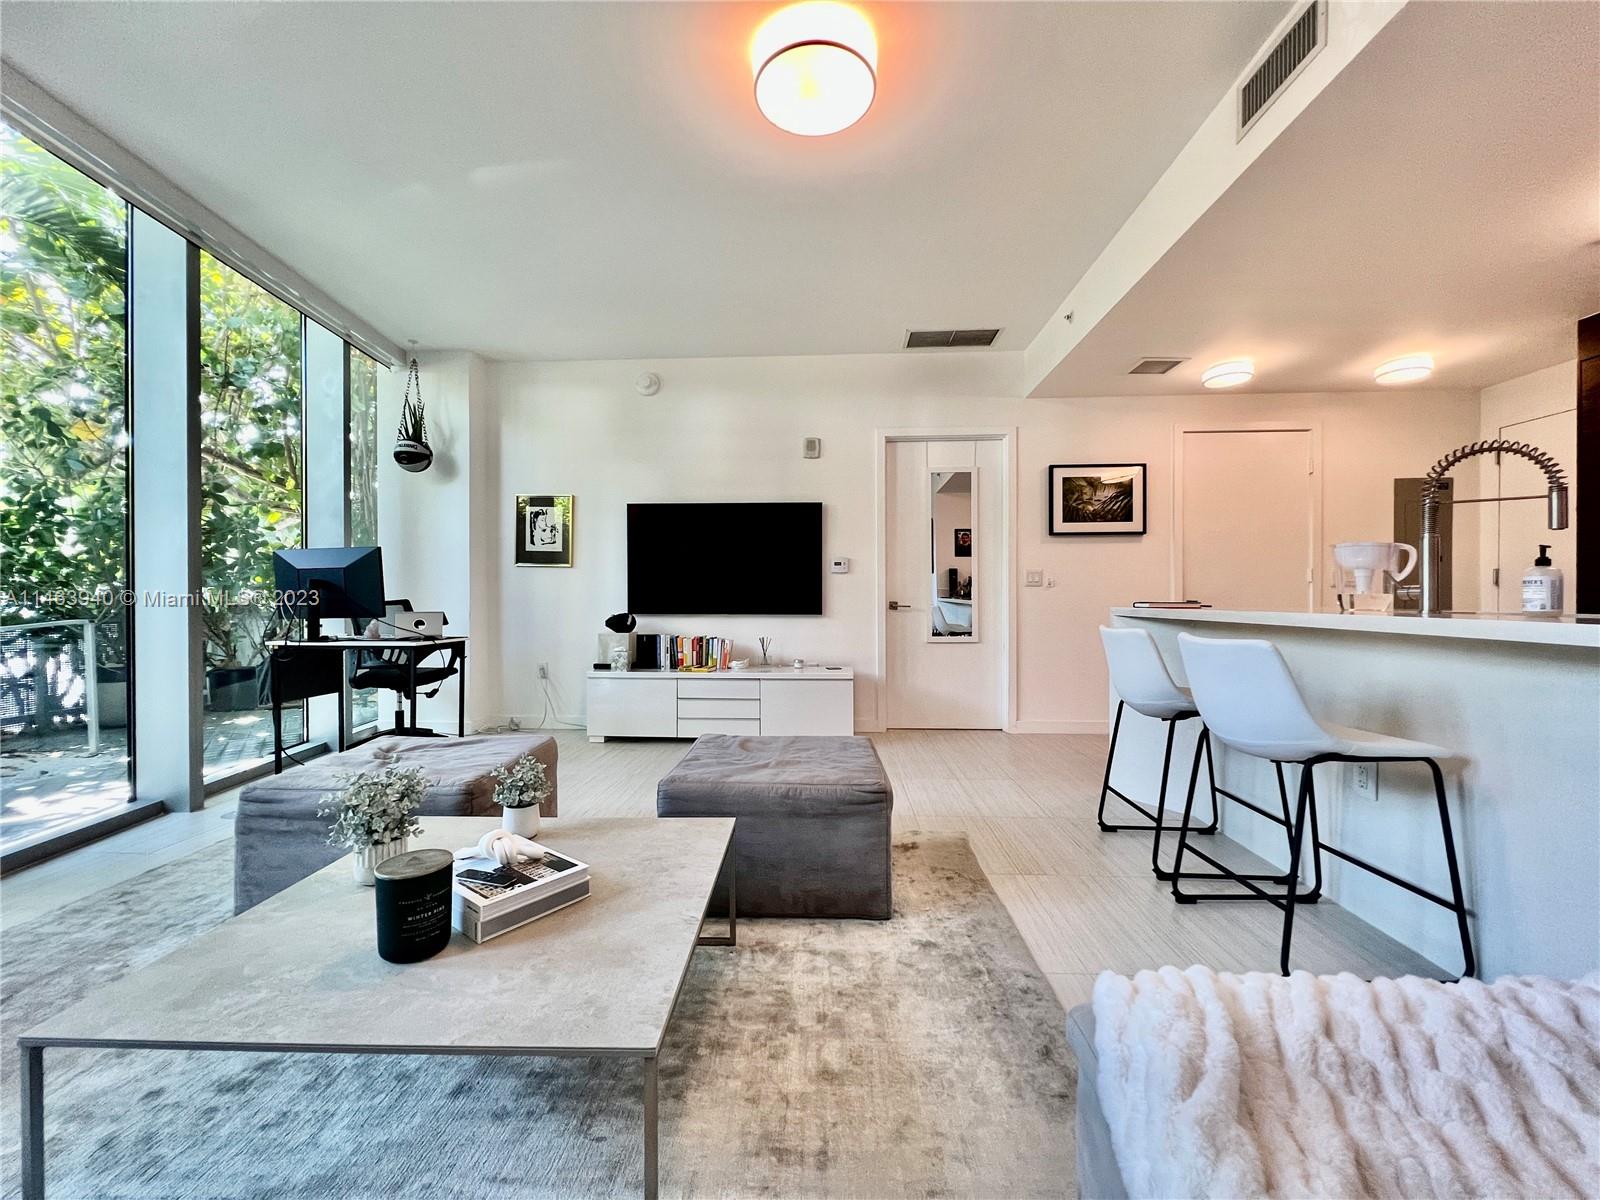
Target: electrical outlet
[1364, 780]
[1033, 578]
[544, 670]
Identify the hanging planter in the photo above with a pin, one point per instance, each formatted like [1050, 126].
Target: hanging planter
[411, 449]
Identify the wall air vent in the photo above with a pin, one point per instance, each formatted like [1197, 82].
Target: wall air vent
[1279, 66]
[1155, 366]
[929, 339]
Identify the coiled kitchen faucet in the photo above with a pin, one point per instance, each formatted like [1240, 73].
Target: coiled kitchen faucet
[1556, 499]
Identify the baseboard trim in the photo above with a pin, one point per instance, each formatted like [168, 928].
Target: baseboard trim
[1077, 727]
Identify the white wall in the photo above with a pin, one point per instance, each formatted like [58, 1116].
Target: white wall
[433, 553]
[730, 429]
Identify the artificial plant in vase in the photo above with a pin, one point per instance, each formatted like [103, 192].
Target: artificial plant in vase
[520, 789]
[374, 816]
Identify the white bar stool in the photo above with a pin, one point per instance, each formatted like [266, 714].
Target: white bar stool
[1249, 700]
[1143, 683]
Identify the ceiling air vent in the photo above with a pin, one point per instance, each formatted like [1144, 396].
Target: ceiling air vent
[1155, 366]
[927, 339]
[1277, 68]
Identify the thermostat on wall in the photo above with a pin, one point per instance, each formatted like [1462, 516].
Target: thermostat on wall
[840, 566]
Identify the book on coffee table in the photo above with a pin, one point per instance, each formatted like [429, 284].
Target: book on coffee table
[491, 899]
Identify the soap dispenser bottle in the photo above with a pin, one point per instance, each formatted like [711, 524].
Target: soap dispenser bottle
[1541, 585]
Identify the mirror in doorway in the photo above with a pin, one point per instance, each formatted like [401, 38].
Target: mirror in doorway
[952, 557]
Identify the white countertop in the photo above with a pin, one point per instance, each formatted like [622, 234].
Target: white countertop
[1581, 631]
[773, 672]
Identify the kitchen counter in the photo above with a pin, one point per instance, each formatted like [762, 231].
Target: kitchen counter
[1517, 698]
[1474, 626]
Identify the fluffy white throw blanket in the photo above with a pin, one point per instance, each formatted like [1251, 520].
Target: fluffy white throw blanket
[1330, 1086]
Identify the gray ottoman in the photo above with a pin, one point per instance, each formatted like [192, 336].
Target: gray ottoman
[812, 838]
[279, 839]
[1099, 1177]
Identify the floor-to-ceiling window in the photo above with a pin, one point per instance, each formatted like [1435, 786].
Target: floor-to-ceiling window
[363, 471]
[64, 649]
[252, 481]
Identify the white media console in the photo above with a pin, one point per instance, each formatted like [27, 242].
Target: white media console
[763, 701]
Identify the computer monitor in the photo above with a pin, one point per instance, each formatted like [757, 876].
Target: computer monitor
[332, 581]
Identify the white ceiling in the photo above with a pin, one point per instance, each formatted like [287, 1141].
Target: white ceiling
[593, 180]
[1441, 195]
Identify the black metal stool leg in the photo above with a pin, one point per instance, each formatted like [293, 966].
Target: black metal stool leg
[1204, 742]
[1296, 832]
[1315, 893]
[1460, 906]
[1111, 757]
[1161, 804]
[1211, 778]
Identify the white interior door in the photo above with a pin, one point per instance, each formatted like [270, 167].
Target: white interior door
[1524, 525]
[946, 644]
[1248, 514]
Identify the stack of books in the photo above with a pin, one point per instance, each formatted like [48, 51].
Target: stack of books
[491, 899]
[699, 653]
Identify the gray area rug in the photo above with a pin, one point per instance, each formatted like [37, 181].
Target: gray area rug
[923, 1056]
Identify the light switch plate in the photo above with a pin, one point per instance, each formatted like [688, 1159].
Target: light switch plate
[1034, 579]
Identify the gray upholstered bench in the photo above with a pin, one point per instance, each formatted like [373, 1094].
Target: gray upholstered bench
[812, 838]
[279, 839]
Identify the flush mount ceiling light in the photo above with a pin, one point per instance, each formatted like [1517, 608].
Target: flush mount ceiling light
[1405, 370]
[815, 67]
[1228, 374]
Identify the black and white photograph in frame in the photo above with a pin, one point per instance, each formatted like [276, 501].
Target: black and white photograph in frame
[543, 531]
[1096, 498]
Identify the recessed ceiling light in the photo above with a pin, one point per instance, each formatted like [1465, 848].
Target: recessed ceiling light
[1405, 370]
[815, 66]
[1228, 374]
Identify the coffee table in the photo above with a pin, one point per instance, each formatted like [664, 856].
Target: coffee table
[300, 973]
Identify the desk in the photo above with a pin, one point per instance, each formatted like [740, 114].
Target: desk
[322, 673]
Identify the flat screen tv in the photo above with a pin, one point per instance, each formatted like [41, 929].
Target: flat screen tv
[725, 559]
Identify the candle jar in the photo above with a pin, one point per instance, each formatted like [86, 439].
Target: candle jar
[415, 892]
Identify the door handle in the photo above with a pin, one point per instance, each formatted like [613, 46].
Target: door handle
[896, 606]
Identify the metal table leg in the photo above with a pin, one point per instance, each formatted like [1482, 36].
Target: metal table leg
[277, 713]
[652, 1126]
[32, 1122]
[732, 937]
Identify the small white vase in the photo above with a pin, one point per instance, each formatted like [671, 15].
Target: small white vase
[363, 860]
[524, 822]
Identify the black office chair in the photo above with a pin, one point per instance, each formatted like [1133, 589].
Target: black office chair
[392, 671]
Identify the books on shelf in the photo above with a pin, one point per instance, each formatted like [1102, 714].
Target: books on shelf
[491, 899]
[696, 652]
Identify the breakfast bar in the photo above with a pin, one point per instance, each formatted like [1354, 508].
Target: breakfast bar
[1518, 701]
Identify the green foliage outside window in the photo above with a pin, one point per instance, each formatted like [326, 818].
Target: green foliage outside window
[250, 455]
[63, 430]
[63, 415]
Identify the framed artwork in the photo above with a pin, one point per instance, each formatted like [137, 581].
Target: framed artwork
[544, 531]
[1096, 498]
[963, 543]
